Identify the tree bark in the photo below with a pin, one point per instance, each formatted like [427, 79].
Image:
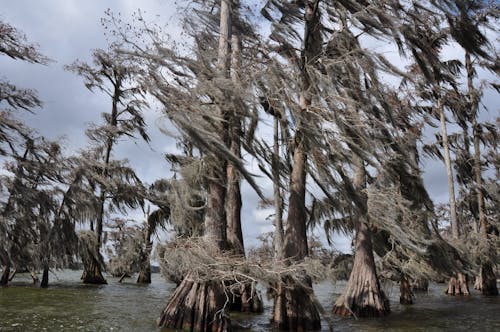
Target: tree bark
[196, 306]
[145, 272]
[215, 218]
[278, 201]
[294, 308]
[487, 277]
[458, 285]
[199, 305]
[92, 272]
[295, 235]
[488, 283]
[449, 173]
[233, 198]
[5, 275]
[406, 294]
[144, 276]
[45, 277]
[362, 296]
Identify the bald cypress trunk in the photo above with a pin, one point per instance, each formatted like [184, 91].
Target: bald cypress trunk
[294, 308]
[458, 284]
[196, 306]
[449, 173]
[145, 272]
[92, 272]
[45, 277]
[487, 283]
[278, 201]
[198, 303]
[233, 198]
[406, 294]
[5, 275]
[362, 297]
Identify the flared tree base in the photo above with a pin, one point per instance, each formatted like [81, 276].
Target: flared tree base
[294, 307]
[144, 277]
[488, 280]
[92, 273]
[458, 285]
[196, 305]
[363, 299]
[406, 294]
[245, 298]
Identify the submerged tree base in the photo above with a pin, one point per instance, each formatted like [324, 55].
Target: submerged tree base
[45, 278]
[294, 306]
[92, 273]
[458, 285]
[363, 296]
[488, 280]
[144, 276]
[406, 295]
[196, 305]
[245, 298]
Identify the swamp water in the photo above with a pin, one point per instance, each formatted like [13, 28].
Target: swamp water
[68, 305]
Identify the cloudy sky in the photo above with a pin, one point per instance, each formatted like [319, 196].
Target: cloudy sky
[67, 30]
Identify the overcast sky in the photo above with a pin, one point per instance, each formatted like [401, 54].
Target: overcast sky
[67, 30]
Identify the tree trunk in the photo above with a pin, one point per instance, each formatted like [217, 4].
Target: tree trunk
[295, 235]
[449, 174]
[406, 295]
[488, 280]
[92, 272]
[294, 308]
[196, 305]
[278, 201]
[199, 305]
[458, 285]
[487, 284]
[233, 198]
[215, 218]
[5, 275]
[45, 277]
[362, 296]
[144, 275]
[145, 272]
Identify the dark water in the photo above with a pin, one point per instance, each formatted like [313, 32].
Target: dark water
[70, 306]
